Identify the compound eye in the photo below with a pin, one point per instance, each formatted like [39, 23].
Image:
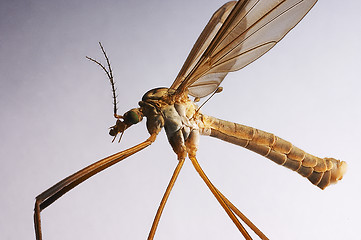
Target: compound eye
[132, 116]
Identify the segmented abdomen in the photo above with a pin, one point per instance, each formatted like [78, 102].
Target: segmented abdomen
[320, 171]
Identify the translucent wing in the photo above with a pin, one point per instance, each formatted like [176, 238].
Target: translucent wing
[203, 41]
[237, 34]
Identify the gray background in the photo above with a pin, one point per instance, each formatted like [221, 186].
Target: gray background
[56, 109]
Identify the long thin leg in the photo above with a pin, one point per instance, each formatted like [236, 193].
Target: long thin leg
[165, 198]
[243, 217]
[220, 198]
[46, 198]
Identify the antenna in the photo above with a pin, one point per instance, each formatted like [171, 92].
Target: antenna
[110, 76]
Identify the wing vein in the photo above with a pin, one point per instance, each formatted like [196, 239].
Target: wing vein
[236, 35]
[248, 29]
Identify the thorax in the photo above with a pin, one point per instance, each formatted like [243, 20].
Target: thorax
[177, 112]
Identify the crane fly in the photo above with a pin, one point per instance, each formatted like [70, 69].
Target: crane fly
[238, 33]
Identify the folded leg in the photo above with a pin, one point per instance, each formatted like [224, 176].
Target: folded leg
[47, 197]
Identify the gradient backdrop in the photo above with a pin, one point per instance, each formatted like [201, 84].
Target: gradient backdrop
[56, 108]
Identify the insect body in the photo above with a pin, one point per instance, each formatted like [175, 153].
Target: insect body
[183, 125]
[237, 34]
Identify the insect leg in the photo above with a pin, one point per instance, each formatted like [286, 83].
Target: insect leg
[219, 198]
[50, 195]
[243, 217]
[192, 144]
[176, 140]
[164, 199]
